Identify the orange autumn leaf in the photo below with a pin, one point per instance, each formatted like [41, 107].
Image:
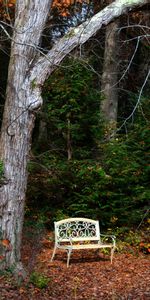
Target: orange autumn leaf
[1, 257]
[8, 3]
[22, 290]
[5, 243]
[37, 290]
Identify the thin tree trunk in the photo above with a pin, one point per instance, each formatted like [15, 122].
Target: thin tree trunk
[109, 104]
[69, 146]
[42, 136]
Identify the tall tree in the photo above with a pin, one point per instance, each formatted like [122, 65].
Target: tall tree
[109, 104]
[26, 75]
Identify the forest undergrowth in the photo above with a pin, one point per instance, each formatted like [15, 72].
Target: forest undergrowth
[89, 276]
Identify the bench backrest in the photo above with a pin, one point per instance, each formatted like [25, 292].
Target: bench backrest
[77, 229]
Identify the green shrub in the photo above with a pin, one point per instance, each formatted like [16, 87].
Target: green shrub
[1, 168]
[39, 280]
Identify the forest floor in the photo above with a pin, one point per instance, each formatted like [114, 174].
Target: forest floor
[89, 276]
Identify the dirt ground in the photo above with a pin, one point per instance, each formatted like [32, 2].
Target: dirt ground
[89, 276]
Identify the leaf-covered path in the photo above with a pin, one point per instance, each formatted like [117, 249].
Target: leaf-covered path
[89, 276]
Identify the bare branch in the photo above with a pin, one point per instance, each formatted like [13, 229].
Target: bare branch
[137, 103]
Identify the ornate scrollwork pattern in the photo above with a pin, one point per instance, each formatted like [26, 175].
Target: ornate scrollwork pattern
[73, 229]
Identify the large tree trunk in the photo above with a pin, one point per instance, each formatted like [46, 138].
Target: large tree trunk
[26, 75]
[22, 99]
[109, 104]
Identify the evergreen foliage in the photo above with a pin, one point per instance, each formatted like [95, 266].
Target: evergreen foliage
[72, 106]
[104, 180]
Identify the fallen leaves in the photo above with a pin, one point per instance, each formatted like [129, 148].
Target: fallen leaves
[89, 277]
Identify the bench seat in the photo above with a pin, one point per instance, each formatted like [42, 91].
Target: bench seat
[84, 246]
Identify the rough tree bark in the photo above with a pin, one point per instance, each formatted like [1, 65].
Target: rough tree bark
[17, 125]
[27, 73]
[109, 104]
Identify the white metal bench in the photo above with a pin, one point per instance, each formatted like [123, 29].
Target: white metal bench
[80, 233]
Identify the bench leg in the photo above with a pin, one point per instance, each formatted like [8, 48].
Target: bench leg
[54, 251]
[112, 253]
[68, 257]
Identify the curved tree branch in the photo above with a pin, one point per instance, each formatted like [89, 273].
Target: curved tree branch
[78, 36]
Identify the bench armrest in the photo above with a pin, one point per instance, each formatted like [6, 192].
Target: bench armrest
[111, 237]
